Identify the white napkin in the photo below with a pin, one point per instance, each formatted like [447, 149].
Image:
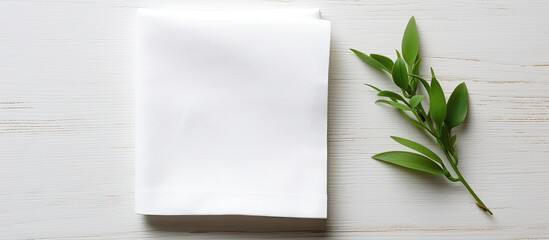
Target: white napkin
[231, 112]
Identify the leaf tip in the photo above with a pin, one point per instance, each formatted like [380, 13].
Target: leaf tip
[394, 137]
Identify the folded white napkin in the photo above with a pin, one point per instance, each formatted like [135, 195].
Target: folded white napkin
[231, 112]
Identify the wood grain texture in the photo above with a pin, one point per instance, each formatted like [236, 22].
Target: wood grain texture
[66, 124]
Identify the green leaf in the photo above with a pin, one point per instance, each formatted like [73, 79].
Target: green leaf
[395, 104]
[423, 82]
[392, 95]
[445, 136]
[411, 161]
[416, 76]
[457, 106]
[412, 86]
[416, 100]
[432, 73]
[372, 86]
[453, 140]
[415, 68]
[410, 42]
[438, 121]
[369, 60]
[418, 147]
[411, 120]
[400, 74]
[437, 101]
[387, 62]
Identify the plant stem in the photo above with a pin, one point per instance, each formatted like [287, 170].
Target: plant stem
[453, 160]
[453, 163]
[480, 204]
[452, 157]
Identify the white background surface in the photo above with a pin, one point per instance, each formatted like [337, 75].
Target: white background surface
[66, 124]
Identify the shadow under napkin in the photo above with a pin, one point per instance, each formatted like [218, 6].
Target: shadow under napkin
[234, 223]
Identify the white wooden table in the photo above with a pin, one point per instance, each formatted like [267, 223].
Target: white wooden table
[66, 124]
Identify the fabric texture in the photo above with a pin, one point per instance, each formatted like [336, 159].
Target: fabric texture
[231, 112]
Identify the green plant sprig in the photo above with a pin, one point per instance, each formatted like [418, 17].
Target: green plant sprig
[440, 119]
